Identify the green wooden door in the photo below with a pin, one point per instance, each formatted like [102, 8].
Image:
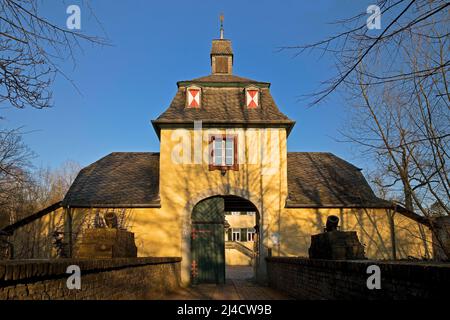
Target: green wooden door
[207, 242]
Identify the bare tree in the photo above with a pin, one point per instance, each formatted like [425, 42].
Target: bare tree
[51, 185]
[396, 82]
[411, 153]
[35, 191]
[31, 47]
[15, 159]
[354, 44]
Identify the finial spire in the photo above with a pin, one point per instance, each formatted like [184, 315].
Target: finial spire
[221, 53]
[221, 25]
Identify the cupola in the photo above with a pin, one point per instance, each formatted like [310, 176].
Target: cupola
[221, 54]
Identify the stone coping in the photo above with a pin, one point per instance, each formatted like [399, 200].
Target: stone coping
[410, 270]
[36, 269]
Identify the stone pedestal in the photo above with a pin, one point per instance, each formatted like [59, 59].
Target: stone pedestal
[104, 243]
[336, 245]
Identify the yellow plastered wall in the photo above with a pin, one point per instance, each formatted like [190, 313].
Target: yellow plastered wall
[157, 233]
[35, 240]
[241, 221]
[185, 178]
[236, 258]
[373, 227]
[412, 238]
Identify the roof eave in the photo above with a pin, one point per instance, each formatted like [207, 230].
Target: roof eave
[293, 205]
[156, 128]
[387, 205]
[113, 205]
[12, 227]
[412, 215]
[288, 124]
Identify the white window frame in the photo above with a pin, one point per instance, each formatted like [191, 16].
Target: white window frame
[251, 234]
[236, 231]
[225, 152]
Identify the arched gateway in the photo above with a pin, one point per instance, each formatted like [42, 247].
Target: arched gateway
[224, 135]
[208, 230]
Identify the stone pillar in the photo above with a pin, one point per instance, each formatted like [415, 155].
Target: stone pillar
[105, 243]
[336, 245]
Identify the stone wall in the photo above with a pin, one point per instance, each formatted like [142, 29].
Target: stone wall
[129, 278]
[308, 279]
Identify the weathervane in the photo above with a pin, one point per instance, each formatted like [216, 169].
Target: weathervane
[221, 25]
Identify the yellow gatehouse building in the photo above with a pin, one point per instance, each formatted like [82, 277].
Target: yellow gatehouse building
[224, 189]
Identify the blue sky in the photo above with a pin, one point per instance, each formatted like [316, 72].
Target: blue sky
[156, 44]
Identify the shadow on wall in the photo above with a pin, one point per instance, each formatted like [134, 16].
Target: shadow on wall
[161, 231]
[36, 239]
[155, 232]
[384, 233]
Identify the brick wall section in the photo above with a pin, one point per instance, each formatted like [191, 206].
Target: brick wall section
[129, 278]
[304, 278]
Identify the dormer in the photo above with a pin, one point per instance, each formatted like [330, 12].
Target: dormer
[193, 97]
[252, 97]
[222, 100]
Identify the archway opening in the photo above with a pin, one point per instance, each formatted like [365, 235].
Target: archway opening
[224, 239]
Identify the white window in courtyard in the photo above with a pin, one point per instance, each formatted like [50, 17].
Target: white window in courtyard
[251, 234]
[236, 235]
[223, 152]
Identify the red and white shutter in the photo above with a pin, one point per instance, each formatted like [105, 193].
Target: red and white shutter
[193, 97]
[252, 98]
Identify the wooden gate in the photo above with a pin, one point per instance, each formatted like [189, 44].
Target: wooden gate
[207, 242]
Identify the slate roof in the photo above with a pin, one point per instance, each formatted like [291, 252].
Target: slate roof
[127, 179]
[318, 179]
[224, 106]
[132, 180]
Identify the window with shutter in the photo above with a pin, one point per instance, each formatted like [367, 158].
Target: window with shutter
[223, 152]
[252, 97]
[193, 97]
[221, 64]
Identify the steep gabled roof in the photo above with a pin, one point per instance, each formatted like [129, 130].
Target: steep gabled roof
[222, 98]
[224, 106]
[121, 179]
[318, 179]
